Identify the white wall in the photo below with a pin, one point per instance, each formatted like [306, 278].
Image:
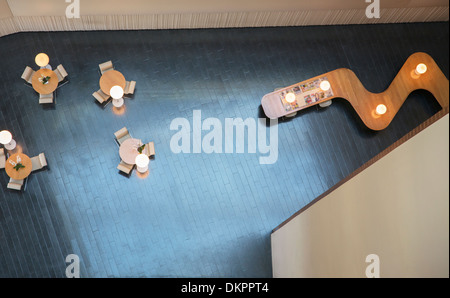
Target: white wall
[49, 15]
[398, 208]
[7, 24]
[130, 7]
[5, 12]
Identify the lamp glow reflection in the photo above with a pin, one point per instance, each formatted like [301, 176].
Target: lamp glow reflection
[381, 109]
[42, 59]
[7, 140]
[325, 85]
[142, 162]
[420, 69]
[290, 97]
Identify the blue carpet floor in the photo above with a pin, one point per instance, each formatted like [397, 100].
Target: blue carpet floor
[197, 214]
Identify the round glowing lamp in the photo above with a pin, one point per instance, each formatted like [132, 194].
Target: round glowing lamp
[325, 85]
[7, 140]
[420, 69]
[290, 97]
[116, 93]
[142, 162]
[381, 109]
[42, 59]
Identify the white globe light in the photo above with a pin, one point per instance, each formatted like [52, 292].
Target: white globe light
[142, 162]
[42, 59]
[7, 140]
[325, 85]
[420, 69]
[5, 137]
[381, 109]
[116, 92]
[290, 97]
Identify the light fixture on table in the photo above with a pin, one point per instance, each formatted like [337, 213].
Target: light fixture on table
[380, 109]
[142, 162]
[420, 69]
[325, 85]
[42, 60]
[7, 140]
[116, 93]
[290, 97]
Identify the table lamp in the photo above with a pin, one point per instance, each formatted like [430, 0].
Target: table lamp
[142, 162]
[380, 109]
[42, 60]
[420, 69]
[7, 140]
[290, 97]
[325, 85]
[116, 93]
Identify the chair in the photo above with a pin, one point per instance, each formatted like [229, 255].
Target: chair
[129, 87]
[149, 149]
[46, 98]
[61, 73]
[100, 96]
[106, 66]
[15, 184]
[2, 158]
[38, 162]
[125, 167]
[121, 135]
[27, 74]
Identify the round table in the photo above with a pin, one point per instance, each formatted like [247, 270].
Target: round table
[22, 173]
[128, 150]
[44, 88]
[110, 79]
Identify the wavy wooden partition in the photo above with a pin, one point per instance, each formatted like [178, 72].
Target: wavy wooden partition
[345, 84]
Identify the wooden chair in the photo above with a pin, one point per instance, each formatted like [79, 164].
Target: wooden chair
[101, 96]
[46, 98]
[27, 75]
[149, 149]
[129, 87]
[106, 66]
[121, 135]
[38, 162]
[62, 74]
[125, 167]
[15, 184]
[2, 158]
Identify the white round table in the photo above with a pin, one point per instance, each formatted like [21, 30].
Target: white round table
[128, 150]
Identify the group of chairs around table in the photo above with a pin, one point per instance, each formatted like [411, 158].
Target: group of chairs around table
[104, 98]
[38, 162]
[60, 72]
[120, 136]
